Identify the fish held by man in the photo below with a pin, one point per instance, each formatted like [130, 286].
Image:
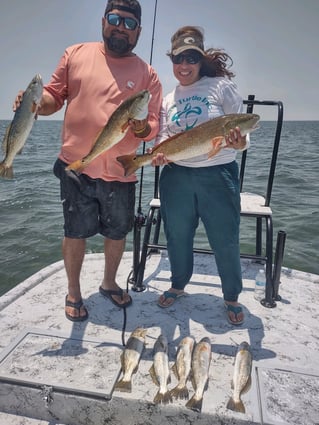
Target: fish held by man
[200, 373]
[207, 138]
[20, 127]
[115, 129]
[160, 372]
[241, 382]
[182, 367]
[130, 358]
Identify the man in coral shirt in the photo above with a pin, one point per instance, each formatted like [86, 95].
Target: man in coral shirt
[93, 79]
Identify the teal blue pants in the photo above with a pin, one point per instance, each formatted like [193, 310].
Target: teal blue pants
[212, 195]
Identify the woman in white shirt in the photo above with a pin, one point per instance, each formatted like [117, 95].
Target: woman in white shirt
[201, 188]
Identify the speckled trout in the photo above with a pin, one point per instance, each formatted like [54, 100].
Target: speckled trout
[130, 359]
[182, 367]
[200, 371]
[207, 138]
[160, 372]
[20, 127]
[115, 129]
[242, 377]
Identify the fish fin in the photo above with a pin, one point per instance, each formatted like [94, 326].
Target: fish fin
[153, 375]
[163, 398]
[195, 404]
[128, 163]
[123, 386]
[232, 384]
[175, 371]
[6, 139]
[6, 172]
[124, 127]
[236, 406]
[76, 166]
[34, 107]
[216, 146]
[193, 381]
[180, 392]
[247, 386]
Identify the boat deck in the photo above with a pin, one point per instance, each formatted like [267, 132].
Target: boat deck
[53, 371]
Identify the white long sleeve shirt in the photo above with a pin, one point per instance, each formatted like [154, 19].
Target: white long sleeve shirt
[188, 106]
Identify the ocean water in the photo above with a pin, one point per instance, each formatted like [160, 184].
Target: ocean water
[31, 223]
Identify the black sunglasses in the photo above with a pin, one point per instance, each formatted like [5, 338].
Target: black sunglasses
[190, 58]
[115, 19]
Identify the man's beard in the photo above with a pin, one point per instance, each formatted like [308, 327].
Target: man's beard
[118, 45]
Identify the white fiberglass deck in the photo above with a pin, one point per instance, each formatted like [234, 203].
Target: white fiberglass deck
[53, 371]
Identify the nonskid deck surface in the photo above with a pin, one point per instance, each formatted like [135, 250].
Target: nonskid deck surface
[78, 363]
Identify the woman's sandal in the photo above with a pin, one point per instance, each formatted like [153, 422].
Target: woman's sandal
[76, 306]
[236, 310]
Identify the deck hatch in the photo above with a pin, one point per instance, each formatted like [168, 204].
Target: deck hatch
[67, 364]
[288, 396]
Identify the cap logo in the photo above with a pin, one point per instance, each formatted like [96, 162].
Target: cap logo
[189, 40]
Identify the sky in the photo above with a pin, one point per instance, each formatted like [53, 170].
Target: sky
[273, 43]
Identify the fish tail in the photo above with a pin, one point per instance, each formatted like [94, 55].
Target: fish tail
[6, 172]
[128, 163]
[163, 398]
[76, 166]
[180, 392]
[195, 404]
[236, 406]
[124, 386]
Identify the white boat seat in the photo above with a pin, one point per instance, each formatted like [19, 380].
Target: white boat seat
[250, 204]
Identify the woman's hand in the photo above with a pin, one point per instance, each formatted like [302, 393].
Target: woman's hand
[235, 140]
[158, 159]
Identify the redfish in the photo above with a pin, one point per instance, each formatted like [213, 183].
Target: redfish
[207, 138]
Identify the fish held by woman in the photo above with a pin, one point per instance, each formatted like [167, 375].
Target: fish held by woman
[182, 367]
[200, 372]
[241, 382]
[130, 358]
[20, 127]
[207, 138]
[160, 372]
[115, 129]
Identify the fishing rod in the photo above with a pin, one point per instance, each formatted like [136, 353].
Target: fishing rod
[140, 217]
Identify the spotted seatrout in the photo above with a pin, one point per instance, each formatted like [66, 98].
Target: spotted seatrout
[200, 369]
[114, 130]
[207, 138]
[130, 359]
[182, 367]
[241, 382]
[21, 125]
[160, 370]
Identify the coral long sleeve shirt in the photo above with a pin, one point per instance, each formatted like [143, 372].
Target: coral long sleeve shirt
[93, 85]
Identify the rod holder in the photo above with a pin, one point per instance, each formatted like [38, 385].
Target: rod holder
[279, 255]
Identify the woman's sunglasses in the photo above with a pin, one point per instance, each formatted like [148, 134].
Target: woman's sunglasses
[115, 19]
[190, 58]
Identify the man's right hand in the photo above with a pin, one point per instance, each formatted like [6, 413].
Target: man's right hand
[17, 100]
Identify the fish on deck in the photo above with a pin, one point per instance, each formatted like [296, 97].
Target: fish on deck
[207, 138]
[115, 129]
[130, 359]
[160, 372]
[241, 382]
[182, 367]
[200, 372]
[20, 127]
